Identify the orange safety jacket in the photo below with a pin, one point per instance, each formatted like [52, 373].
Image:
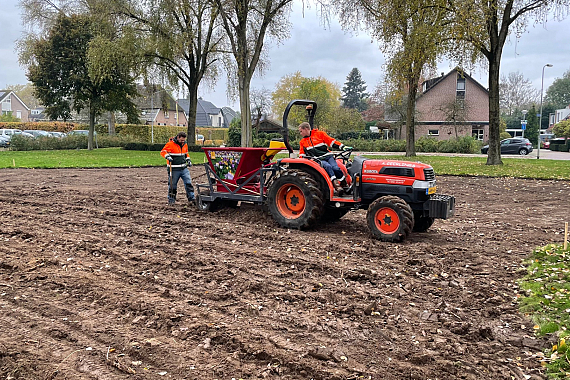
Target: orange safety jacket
[178, 152]
[317, 143]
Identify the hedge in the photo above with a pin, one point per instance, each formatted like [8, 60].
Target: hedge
[50, 126]
[70, 142]
[364, 135]
[465, 144]
[560, 145]
[158, 147]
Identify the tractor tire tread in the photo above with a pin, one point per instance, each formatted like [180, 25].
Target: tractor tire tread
[407, 219]
[316, 199]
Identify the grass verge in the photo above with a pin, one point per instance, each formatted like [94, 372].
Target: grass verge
[476, 166]
[117, 157]
[82, 158]
[547, 302]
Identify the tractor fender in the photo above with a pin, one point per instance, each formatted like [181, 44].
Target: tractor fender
[299, 163]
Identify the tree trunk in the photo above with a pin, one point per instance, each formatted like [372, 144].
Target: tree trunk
[411, 120]
[494, 154]
[193, 104]
[246, 135]
[91, 128]
[111, 123]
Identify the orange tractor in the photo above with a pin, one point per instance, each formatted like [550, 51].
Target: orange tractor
[400, 196]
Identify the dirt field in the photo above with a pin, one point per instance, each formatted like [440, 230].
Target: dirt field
[100, 280]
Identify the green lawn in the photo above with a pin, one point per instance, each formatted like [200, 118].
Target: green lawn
[116, 157]
[97, 158]
[475, 166]
[546, 299]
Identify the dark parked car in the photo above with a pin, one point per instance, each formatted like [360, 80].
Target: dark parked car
[516, 145]
[4, 141]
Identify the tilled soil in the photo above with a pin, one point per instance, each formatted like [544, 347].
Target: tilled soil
[99, 279]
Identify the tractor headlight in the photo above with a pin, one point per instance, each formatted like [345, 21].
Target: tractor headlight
[423, 184]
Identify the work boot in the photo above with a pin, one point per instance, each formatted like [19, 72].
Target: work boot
[337, 187]
[345, 186]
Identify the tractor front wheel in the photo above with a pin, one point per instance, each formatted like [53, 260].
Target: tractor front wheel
[390, 218]
[294, 200]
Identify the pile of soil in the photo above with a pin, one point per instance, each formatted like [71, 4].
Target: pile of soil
[99, 279]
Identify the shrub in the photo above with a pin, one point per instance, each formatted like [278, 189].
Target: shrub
[69, 142]
[427, 144]
[365, 135]
[234, 133]
[156, 147]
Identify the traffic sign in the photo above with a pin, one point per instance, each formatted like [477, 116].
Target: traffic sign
[523, 124]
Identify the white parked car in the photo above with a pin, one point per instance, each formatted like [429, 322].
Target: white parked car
[11, 132]
[59, 135]
[37, 133]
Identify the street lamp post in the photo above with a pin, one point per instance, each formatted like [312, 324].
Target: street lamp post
[540, 114]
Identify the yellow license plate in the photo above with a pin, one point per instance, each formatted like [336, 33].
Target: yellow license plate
[431, 190]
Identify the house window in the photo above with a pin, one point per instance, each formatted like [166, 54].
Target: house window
[19, 114]
[433, 132]
[460, 94]
[219, 121]
[165, 115]
[6, 105]
[478, 134]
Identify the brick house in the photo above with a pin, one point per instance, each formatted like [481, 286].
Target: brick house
[207, 114]
[158, 107]
[453, 105]
[10, 102]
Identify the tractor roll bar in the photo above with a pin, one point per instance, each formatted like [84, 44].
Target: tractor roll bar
[310, 114]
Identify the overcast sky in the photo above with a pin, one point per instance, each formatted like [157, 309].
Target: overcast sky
[327, 51]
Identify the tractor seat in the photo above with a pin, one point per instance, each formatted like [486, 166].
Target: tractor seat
[356, 167]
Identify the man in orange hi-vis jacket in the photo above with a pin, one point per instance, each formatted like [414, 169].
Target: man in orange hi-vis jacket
[176, 153]
[315, 143]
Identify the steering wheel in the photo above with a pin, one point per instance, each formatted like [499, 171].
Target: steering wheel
[343, 155]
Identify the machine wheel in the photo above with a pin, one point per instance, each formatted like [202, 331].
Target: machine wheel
[207, 206]
[331, 215]
[523, 152]
[294, 200]
[390, 218]
[422, 223]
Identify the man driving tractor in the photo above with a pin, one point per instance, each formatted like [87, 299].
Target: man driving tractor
[316, 143]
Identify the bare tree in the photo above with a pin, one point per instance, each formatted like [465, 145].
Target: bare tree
[260, 104]
[413, 36]
[455, 113]
[246, 23]
[516, 92]
[183, 39]
[483, 26]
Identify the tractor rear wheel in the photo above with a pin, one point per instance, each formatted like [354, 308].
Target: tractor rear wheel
[390, 218]
[422, 223]
[294, 200]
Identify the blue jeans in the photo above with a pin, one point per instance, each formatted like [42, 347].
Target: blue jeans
[331, 167]
[173, 183]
